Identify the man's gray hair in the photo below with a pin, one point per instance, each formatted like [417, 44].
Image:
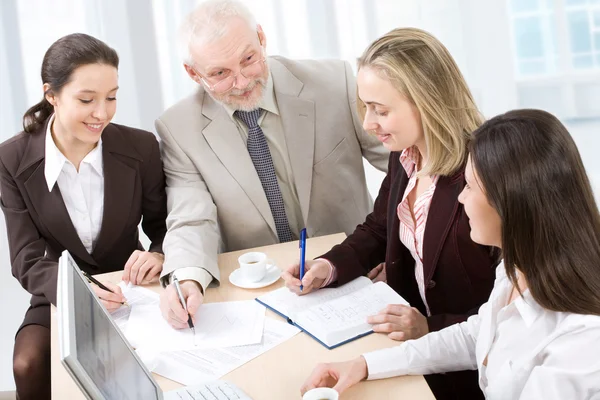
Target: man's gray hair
[207, 23]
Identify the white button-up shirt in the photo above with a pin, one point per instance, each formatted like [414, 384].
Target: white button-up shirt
[532, 353]
[82, 192]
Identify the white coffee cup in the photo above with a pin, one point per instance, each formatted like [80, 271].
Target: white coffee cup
[321, 393]
[253, 265]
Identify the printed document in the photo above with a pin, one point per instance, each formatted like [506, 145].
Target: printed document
[193, 366]
[226, 324]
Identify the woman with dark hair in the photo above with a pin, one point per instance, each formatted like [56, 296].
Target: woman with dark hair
[73, 180]
[537, 336]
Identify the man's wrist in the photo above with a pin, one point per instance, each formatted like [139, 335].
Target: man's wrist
[196, 274]
[197, 284]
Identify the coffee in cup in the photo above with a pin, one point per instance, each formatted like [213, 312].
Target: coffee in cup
[253, 265]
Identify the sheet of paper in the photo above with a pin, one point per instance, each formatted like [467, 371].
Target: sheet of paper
[136, 296]
[345, 317]
[195, 366]
[233, 323]
[290, 303]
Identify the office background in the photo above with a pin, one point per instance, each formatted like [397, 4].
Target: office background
[513, 53]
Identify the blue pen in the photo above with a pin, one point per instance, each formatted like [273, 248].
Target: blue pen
[302, 254]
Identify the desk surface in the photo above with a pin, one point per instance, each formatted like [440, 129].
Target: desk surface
[278, 373]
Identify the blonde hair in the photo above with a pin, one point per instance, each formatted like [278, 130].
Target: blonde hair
[422, 69]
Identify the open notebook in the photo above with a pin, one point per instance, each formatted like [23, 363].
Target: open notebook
[333, 316]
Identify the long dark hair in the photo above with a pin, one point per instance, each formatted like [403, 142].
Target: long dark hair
[61, 59]
[532, 174]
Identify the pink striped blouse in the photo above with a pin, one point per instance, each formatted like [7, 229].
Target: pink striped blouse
[412, 230]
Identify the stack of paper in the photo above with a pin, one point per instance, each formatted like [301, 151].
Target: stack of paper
[193, 366]
[227, 335]
[234, 323]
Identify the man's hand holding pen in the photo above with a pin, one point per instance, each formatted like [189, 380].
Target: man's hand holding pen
[171, 306]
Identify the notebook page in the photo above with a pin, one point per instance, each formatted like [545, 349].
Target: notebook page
[289, 304]
[345, 317]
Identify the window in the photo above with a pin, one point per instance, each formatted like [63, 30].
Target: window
[534, 37]
[538, 24]
[583, 21]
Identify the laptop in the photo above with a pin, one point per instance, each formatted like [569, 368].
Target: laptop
[98, 357]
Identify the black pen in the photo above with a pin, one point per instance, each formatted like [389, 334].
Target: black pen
[100, 285]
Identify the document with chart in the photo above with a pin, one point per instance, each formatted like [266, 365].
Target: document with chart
[226, 324]
[334, 316]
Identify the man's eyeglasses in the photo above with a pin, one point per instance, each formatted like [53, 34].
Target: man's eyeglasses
[225, 80]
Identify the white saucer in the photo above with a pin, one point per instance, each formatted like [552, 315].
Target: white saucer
[272, 276]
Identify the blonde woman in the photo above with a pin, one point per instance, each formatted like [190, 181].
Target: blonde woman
[414, 98]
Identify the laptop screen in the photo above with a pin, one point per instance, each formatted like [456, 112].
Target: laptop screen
[101, 350]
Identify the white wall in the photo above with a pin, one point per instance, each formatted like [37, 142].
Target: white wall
[13, 298]
[587, 138]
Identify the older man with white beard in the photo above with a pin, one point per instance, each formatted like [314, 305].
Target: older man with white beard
[264, 148]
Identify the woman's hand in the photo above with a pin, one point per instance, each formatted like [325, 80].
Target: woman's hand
[143, 267]
[111, 301]
[315, 273]
[378, 274]
[339, 376]
[400, 322]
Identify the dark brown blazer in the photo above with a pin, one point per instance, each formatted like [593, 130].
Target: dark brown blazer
[38, 224]
[459, 274]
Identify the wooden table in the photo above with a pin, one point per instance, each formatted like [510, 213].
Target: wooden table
[278, 373]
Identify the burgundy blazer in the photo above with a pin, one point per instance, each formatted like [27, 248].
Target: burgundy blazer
[459, 274]
[39, 227]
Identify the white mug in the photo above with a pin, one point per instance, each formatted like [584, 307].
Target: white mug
[253, 265]
[322, 393]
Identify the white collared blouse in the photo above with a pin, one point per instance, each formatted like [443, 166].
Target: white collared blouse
[82, 192]
[521, 350]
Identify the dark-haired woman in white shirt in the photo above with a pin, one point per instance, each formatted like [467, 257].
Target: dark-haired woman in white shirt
[73, 180]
